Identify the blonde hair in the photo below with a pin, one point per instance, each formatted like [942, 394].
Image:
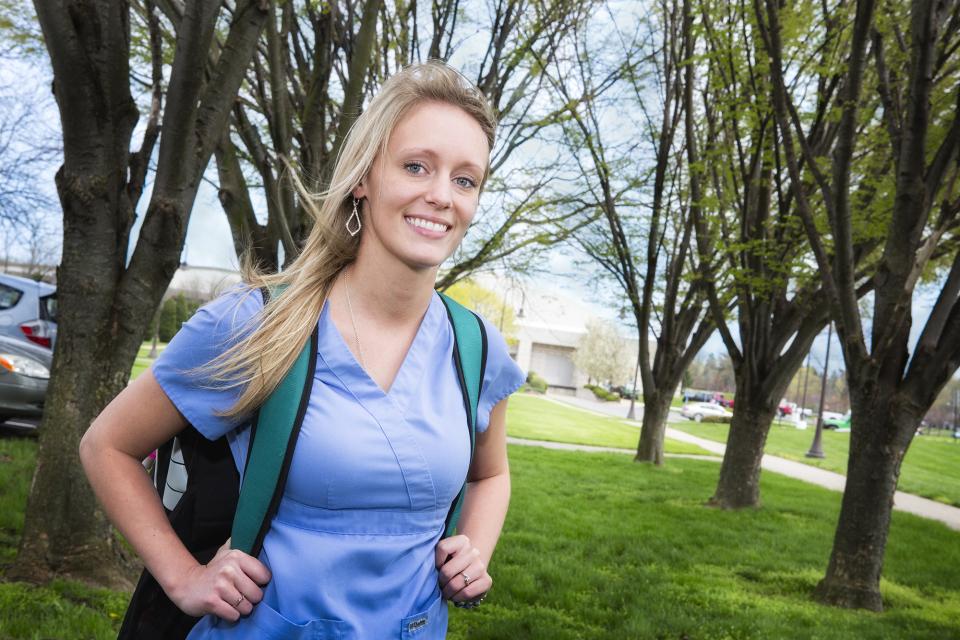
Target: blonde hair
[260, 359]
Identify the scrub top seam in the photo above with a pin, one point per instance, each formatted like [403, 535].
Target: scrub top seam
[393, 450]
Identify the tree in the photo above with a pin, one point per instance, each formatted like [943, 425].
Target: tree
[487, 303]
[780, 304]
[644, 237]
[601, 354]
[102, 290]
[915, 78]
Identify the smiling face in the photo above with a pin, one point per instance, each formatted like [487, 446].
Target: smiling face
[421, 194]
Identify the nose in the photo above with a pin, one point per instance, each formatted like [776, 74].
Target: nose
[439, 192]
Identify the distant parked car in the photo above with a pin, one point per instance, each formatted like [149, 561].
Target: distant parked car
[24, 371]
[28, 310]
[840, 425]
[697, 411]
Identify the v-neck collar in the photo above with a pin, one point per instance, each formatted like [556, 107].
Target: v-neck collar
[337, 355]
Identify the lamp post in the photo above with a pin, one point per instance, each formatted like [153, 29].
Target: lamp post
[631, 414]
[806, 378]
[956, 412]
[816, 449]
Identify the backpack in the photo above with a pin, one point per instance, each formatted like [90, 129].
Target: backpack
[206, 503]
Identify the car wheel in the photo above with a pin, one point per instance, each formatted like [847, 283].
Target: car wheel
[698, 417]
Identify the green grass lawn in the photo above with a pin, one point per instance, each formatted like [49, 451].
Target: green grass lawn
[930, 469]
[598, 547]
[143, 361]
[531, 416]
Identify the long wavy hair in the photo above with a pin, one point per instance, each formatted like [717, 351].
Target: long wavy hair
[262, 356]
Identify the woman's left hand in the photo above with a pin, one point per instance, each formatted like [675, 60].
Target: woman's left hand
[463, 574]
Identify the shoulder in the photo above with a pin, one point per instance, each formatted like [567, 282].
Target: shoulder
[212, 330]
[501, 374]
[235, 311]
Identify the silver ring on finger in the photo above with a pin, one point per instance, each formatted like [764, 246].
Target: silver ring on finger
[239, 600]
[466, 579]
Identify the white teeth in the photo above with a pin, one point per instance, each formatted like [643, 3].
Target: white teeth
[426, 224]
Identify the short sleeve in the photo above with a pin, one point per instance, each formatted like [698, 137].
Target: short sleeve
[502, 376]
[213, 329]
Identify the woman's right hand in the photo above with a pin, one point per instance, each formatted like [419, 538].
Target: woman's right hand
[228, 586]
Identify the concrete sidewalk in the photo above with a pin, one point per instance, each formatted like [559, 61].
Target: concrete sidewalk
[907, 502]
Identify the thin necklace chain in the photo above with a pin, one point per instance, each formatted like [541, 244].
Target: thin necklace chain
[353, 320]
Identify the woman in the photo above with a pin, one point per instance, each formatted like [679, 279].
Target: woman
[355, 550]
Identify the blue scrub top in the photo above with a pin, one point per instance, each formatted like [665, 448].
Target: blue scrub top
[373, 475]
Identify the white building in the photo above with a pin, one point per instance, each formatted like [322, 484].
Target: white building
[550, 322]
[201, 283]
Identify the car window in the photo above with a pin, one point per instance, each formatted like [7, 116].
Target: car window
[9, 297]
[48, 307]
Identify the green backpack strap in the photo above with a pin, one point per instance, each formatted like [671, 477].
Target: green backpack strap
[470, 358]
[273, 436]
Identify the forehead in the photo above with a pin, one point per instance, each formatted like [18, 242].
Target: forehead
[444, 130]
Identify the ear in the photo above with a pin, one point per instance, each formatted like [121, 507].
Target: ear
[360, 190]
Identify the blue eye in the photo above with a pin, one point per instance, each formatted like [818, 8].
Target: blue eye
[466, 183]
[413, 167]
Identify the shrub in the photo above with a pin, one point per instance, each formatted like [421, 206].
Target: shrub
[602, 393]
[536, 383]
[174, 312]
[722, 419]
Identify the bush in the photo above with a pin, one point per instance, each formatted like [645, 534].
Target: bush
[722, 419]
[601, 393]
[536, 383]
[175, 312]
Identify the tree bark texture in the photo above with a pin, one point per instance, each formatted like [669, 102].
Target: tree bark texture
[656, 408]
[873, 468]
[739, 483]
[105, 303]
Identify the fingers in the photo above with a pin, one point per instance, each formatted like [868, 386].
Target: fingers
[228, 586]
[239, 583]
[474, 591]
[456, 565]
[462, 574]
[467, 583]
[449, 547]
[252, 567]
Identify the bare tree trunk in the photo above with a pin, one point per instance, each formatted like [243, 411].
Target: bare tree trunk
[656, 408]
[739, 483]
[856, 562]
[65, 532]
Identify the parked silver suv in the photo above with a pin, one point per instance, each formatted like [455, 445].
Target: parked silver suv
[28, 310]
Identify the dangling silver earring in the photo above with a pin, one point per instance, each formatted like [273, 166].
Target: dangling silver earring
[354, 218]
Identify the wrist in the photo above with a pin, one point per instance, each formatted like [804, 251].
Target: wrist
[175, 576]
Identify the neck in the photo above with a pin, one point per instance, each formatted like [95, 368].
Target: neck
[388, 293]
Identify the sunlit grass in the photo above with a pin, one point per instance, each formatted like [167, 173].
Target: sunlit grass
[536, 418]
[597, 547]
[930, 469]
[143, 361]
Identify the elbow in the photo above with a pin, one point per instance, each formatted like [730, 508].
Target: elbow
[88, 446]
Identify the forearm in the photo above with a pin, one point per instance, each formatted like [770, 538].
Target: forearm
[133, 506]
[484, 510]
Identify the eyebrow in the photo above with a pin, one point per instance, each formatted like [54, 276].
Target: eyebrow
[433, 154]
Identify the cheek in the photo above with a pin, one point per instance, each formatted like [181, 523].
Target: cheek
[469, 204]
